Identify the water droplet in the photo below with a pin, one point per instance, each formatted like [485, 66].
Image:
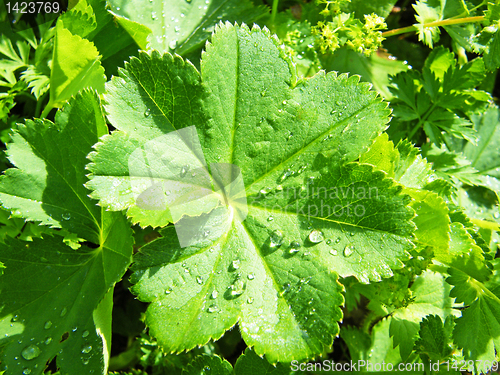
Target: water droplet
[276, 238]
[251, 276]
[284, 102]
[75, 329]
[173, 44]
[147, 112]
[236, 264]
[328, 242]
[238, 288]
[286, 174]
[250, 300]
[168, 291]
[263, 93]
[337, 240]
[85, 334]
[348, 250]
[66, 216]
[351, 234]
[334, 252]
[270, 218]
[64, 311]
[290, 136]
[27, 371]
[48, 340]
[316, 236]
[86, 349]
[214, 294]
[15, 318]
[184, 170]
[213, 308]
[31, 352]
[199, 280]
[266, 190]
[294, 247]
[85, 361]
[48, 324]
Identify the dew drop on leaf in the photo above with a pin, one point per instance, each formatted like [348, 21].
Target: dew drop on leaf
[316, 236]
[27, 371]
[213, 308]
[48, 340]
[66, 216]
[147, 112]
[86, 349]
[337, 240]
[348, 250]
[333, 252]
[64, 311]
[294, 247]
[270, 218]
[31, 352]
[238, 288]
[14, 319]
[48, 324]
[251, 276]
[85, 333]
[276, 238]
[199, 280]
[214, 294]
[184, 170]
[250, 300]
[265, 190]
[236, 264]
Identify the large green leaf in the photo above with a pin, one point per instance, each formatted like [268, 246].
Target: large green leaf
[50, 291]
[294, 143]
[183, 26]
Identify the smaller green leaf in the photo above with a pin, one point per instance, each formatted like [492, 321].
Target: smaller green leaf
[374, 349]
[484, 317]
[434, 339]
[485, 155]
[250, 363]
[430, 291]
[76, 65]
[47, 185]
[381, 154]
[205, 364]
[435, 10]
[79, 20]
[184, 26]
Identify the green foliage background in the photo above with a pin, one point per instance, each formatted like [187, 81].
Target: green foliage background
[321, 97]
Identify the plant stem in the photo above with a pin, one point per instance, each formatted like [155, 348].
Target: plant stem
[274, 11]
[39, 105]
[446, 22]
[46, 110]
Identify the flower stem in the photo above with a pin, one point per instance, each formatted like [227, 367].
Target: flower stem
[274, 11]
[447, 22]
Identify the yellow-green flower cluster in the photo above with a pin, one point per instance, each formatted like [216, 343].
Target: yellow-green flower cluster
[345, 30]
